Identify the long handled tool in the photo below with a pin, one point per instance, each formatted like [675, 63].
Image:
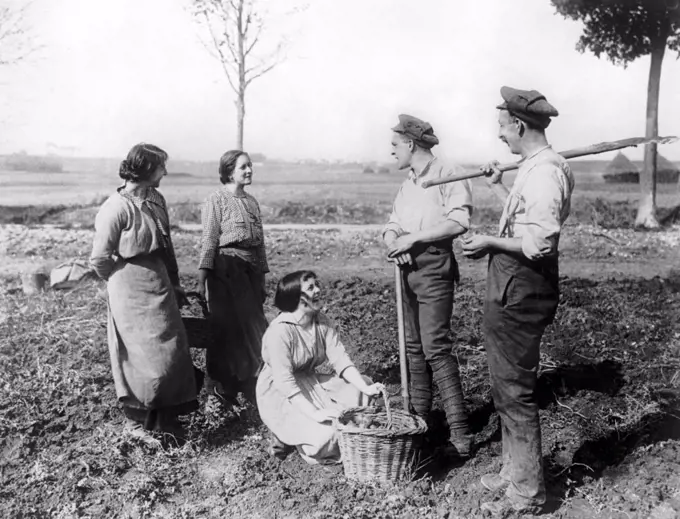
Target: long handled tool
[593, 149]
[402, 341]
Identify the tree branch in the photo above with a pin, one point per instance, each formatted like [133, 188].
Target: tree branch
[15, 40]
[223, 59]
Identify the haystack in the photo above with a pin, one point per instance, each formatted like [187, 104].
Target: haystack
[666, 171]
[621, 170]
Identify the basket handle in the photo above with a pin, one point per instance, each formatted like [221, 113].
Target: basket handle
[386, 398]
[201, 301]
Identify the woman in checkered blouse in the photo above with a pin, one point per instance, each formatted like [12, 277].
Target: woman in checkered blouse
[232, 269]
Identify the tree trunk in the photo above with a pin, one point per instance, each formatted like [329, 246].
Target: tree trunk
[240, 116]
[242, 84]
[646, 215]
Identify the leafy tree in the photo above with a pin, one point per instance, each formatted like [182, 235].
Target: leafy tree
[624, 30]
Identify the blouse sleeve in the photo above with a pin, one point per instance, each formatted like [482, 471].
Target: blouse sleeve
[211, 219]
[335, 349]
[261, 249]
[278, 344]
[110, 221]
[171, 259]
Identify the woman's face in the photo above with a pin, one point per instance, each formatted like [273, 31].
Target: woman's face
[157, 175]
[243, 171]
[310, 295]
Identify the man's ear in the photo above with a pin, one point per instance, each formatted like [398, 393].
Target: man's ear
[521, 127]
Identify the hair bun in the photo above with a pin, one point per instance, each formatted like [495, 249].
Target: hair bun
[124, 171]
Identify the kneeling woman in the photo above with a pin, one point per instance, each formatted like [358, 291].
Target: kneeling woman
[295, 402]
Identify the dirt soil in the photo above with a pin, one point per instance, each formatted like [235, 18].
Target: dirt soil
[609, 391]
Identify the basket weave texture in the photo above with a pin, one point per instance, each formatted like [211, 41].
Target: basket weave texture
[386, 452]
[199, 328]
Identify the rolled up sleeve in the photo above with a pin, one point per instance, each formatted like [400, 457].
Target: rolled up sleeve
[335, 350]
[394, 223]
[109, 222]
[543, 206]
[457, 197]
[277, 343]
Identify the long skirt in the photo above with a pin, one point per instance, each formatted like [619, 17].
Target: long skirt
[150, 359]
[316, 442]
[235, 297]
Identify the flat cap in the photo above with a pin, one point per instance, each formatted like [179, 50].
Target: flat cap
[419, 131]
[528, 105]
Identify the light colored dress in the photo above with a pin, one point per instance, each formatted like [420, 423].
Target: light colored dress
[291, 357]
[150, 359]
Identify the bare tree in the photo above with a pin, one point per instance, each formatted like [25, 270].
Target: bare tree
[624, 30]
[234, 34]
[16, 41]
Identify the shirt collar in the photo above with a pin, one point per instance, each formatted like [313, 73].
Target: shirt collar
[540, 150]
[290, 318]
[414, 177]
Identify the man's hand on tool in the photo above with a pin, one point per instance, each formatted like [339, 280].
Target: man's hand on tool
[398, 249]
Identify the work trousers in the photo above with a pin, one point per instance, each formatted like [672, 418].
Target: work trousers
[428, 302]
[521, 300]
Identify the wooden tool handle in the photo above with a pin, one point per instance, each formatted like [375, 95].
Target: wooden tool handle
[593, 149]
[403, 362]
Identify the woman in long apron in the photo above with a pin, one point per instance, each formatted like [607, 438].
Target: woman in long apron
[152, 368]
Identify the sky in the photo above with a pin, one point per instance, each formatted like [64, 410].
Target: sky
[111, 73]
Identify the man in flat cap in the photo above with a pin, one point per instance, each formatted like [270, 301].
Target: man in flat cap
[419, 238]
[522, 290]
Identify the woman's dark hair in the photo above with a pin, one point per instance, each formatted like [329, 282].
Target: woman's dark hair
[227, 165]
[288, 290]
[142, 160]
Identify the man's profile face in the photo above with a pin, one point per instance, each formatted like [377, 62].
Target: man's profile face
[508, 130]
[401, 150]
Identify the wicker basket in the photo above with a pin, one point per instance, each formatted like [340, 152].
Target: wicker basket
[199, 329]
[379, 445]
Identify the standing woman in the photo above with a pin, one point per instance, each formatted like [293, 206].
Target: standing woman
[232, 268]
[152, 369]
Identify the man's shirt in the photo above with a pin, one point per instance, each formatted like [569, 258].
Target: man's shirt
[539, 203]
[417, 208]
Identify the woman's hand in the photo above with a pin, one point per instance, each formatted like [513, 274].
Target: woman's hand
[374, 389]
[325, 415]
[203, 275]
[181, 296]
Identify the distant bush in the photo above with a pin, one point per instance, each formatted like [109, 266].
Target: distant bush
[368, 169]
[34, 163]
[257, 157]
[383, 170]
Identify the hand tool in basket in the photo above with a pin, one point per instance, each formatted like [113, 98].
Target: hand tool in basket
[403, 362]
